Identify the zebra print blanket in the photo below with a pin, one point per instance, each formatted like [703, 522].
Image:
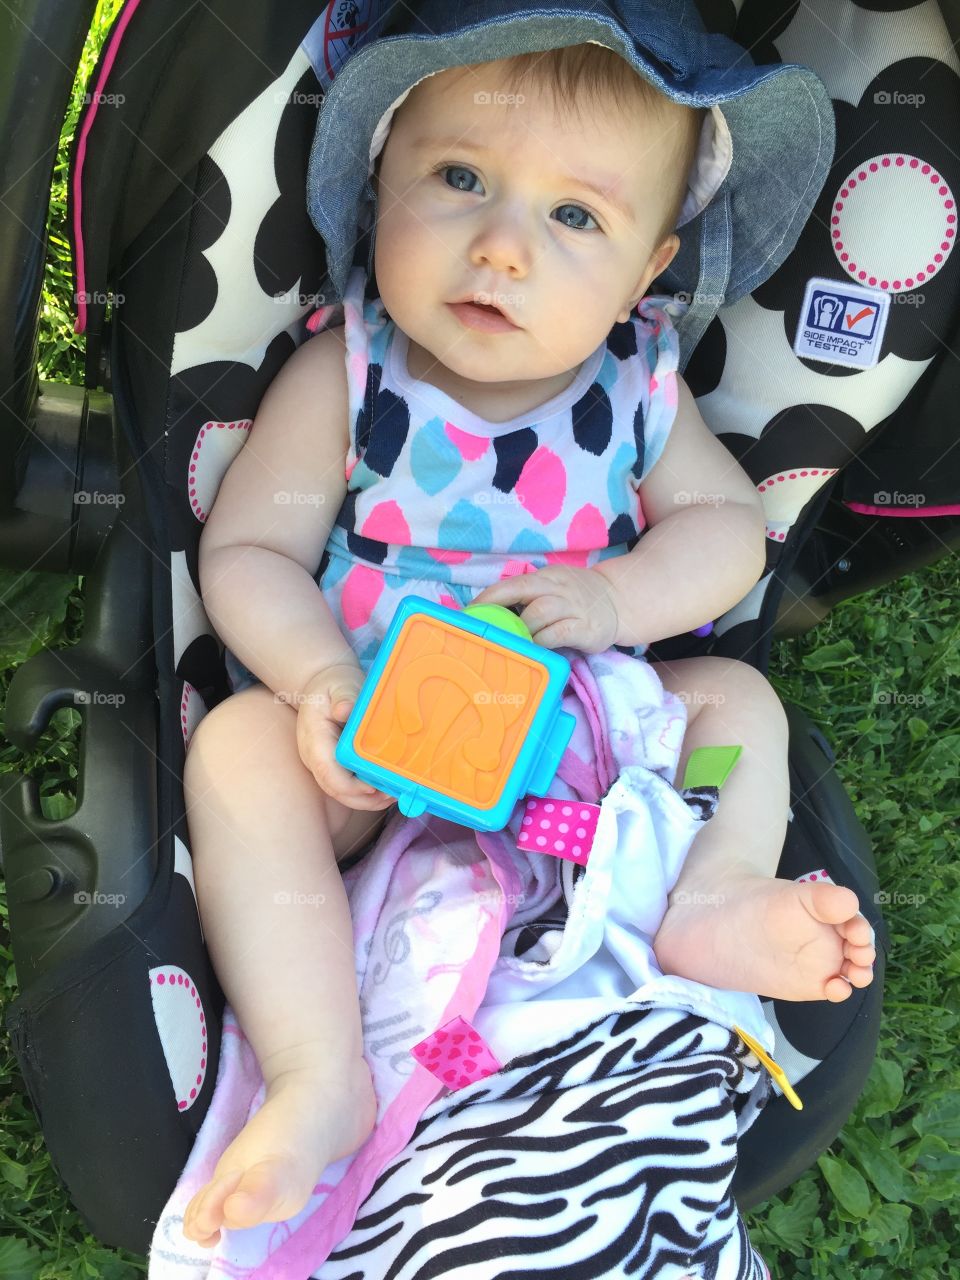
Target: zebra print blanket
[606, 1143]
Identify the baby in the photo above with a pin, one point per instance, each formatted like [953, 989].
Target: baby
[512, 237]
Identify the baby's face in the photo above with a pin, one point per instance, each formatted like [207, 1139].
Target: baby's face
[482, 195]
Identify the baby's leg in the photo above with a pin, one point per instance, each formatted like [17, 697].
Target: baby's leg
[730, 923]
[265, 839]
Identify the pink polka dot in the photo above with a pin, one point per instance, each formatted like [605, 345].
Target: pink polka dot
[559, 845]
[541, 839]
[362, 589]
[469, 447]
[566, 811]
[542, 485]
[387, 523]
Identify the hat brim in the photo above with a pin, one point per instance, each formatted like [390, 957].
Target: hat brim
[779, 117]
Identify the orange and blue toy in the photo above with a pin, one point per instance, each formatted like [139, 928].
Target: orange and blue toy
[459, 714]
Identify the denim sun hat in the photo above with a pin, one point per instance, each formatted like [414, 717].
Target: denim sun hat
[765, 150]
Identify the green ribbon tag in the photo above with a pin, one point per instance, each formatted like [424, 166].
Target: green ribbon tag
[709, 766]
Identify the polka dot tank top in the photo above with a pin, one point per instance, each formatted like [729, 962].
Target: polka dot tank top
[440, 503]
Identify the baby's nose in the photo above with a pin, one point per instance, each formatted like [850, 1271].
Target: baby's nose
[506, 244]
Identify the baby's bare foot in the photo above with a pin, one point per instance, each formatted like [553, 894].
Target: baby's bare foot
[268, 1172]
[775, 938]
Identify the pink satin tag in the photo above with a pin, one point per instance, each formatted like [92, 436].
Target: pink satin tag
[565, 828]
[456, 1054]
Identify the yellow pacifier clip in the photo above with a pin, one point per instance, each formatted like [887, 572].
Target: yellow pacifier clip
[774, 1068]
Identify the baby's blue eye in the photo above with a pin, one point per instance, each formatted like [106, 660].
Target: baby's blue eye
[456, 168]
[462, 183]
[580, 209]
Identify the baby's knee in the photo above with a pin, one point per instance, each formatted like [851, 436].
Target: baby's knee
[230, 727]
[744, 688]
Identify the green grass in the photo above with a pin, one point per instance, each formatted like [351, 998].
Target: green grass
[879, 675]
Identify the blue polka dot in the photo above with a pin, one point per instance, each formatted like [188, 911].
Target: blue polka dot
[619, 493]
[608, 373]
[417, 563]
[337, 568]
[529, 542]
[378, 343]
[361, 477]
[434, 458]
[466, 528]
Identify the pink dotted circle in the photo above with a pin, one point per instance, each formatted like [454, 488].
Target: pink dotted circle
[244, 424]
[935, 257]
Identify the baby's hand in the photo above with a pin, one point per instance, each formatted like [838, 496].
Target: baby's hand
[326, 702]
[565, 607]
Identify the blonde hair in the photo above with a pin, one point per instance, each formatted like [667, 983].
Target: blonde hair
[590, 71]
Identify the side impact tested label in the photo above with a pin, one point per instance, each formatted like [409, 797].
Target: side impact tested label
[841, 323]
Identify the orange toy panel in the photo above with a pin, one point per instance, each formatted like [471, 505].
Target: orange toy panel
[451, 711]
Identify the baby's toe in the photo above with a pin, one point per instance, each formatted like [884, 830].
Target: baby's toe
[864, 957]
[857, 930]
[204, 1214]
[258, 1198]
[835, 990]
[858, 975]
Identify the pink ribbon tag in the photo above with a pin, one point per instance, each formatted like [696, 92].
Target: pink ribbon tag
[456, 1054]
[565, 828]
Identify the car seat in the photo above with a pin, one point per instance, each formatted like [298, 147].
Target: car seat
[186, 208]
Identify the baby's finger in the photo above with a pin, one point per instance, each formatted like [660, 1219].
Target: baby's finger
[509, 591]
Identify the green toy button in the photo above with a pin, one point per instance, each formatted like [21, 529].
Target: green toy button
[709, 766]
[499, 615]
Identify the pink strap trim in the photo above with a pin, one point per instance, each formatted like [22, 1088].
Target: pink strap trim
[456, 1054]
[563, 828]
[864, 509]
[116, 35]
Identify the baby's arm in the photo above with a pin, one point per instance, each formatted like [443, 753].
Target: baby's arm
[704, 547]
[258, 551]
